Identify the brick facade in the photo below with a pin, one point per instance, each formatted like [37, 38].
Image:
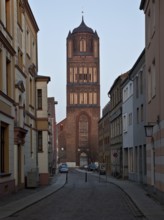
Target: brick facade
[78, 135]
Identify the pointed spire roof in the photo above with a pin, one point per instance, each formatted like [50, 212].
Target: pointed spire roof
[82, 28]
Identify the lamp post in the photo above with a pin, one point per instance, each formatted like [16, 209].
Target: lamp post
[149, 133]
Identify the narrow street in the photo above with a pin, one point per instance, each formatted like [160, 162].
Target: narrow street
[80, 200]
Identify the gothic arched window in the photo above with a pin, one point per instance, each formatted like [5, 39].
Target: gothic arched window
[83, 131]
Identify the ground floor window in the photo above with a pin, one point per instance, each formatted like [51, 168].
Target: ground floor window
[4, 154]
[131, 165]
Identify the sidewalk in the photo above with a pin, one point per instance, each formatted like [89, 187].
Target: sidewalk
[150, 207]
[27, 197]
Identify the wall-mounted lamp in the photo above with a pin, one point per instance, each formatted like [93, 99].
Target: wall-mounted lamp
[149, 130]
[149, 127]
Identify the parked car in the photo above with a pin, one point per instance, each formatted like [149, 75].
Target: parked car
[63, 168]
[92, 167]
[84, 167]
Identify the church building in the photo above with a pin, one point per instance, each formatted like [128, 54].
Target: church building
[78, 132]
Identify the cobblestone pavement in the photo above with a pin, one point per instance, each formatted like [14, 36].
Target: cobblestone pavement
[139, 204]
[83, 200]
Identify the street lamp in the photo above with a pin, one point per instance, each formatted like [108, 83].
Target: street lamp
[149, 130]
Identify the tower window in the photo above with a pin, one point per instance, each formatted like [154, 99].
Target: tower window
[83, 45]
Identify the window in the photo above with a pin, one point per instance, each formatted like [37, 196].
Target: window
[69, 49]
[130, 89]
[40, 141]
[1, 76]
[153, 73]
[71, 74]
[125, 93]
[8, 16]
[20, 59]
[31, 92]
[83, 98]
[83, 45]
[39, 95]
[19, 12]
[83, 77]
[85, 74]
[80, 74]
[137, 87]
[75, 74]
[90, 98]
[34, 51]
[95, 49]
[91, 45]
[28, 43]
[151, 81]
[94, 74]
[2, 164]
[125, 123]
[83, 131]
[90, 74]
[8, 77]
[141, 82]
[130, 118]
[131, 160]
[137, 115]
[94, 98]
[148, 26]
[149, 84]
[31, 138]
[73, 98]
[4, 149]
[142, 114]
[153, 16]
[144, 159]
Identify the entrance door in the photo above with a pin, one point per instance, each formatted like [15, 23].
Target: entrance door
[83, 159]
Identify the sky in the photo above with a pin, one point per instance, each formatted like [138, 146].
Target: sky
[120, 27]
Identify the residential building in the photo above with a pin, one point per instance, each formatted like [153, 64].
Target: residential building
[133, 110]
[19, 82]
[154, 67]
[80, 128]
[104, 138]
[7, 106]
[52, 148]
[18, 59]
[127, 127]
[43, 128]
[115, 94]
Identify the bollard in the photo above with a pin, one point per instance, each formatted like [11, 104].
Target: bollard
[66, 177]
[86, 177]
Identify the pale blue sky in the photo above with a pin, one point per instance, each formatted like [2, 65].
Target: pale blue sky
[119, 24]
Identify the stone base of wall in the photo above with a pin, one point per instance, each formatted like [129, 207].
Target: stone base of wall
[43, 179]
[7, 187]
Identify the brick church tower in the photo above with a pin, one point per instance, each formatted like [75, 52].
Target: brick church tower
[78, 133]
